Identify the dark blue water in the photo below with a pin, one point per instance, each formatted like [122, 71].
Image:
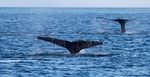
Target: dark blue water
[123, 54]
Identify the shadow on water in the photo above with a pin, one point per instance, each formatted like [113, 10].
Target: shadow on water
[62, 54]
[55, 55]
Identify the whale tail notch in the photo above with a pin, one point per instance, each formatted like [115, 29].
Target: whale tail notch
[73, 47]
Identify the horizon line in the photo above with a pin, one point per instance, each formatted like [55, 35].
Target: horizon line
[72, 7]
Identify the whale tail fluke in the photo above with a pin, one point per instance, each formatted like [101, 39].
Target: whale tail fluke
[59, 42]
[76, 46]
[73, 47]
[121, 21]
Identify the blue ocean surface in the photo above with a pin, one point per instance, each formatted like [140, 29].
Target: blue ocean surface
[122, 55]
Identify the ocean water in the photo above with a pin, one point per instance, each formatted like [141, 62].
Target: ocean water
[122, 55]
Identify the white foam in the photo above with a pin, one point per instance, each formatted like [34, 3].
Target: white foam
[82, 51]
[131, 32]
[100, 31]
[101, 53]
[9, 61]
